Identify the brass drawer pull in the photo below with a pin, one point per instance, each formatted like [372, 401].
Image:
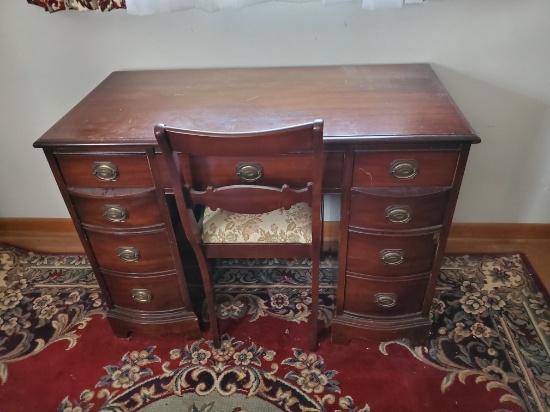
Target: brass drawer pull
[385, 300]
[142, 295]
[128, 254]
[392, 256]
[105, 171]
[115, 213]
[404, 169]
[398, 213]
[249, 172]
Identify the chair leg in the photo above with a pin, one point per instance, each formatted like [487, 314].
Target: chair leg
[210, 302]
[315, 275]
[214, 327]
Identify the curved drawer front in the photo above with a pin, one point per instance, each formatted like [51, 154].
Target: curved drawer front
[118, 208]
[391, 255]
[132, 253]
[397, 208]
[404, 169]
[105, 170]
[145, 292]
[379, 297]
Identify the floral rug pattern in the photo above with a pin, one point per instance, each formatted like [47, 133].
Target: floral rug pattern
[43, 299]
[202, 369]
[491, 321]
[273, 287]
[491, 325]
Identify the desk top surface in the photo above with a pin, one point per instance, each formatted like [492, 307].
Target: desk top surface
[376, 103]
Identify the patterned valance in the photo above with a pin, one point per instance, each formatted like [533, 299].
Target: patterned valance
[57, 5]
[144, 7]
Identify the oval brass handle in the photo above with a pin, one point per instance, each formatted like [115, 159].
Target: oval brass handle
[398, 213]
[404, 169]
[392, 256]
[385, 300]
[142, 295]
[249, 172]
[105, 171]
[115, 213]
[128, 254]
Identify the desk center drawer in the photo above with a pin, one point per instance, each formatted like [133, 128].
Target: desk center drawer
[224, 171]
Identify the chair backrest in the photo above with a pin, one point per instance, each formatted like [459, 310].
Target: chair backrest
[245, 172]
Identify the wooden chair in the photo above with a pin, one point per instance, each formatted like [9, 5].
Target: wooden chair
[272, 175]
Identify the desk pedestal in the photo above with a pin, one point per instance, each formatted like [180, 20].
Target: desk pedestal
[397, 207]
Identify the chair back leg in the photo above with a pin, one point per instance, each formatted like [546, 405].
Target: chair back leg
[210, 301]
[314, 321]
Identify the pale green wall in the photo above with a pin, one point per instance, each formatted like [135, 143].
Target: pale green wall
[493, 56]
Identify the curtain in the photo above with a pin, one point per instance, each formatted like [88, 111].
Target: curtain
[145, 7]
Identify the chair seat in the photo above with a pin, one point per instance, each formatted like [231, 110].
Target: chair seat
[278, 226]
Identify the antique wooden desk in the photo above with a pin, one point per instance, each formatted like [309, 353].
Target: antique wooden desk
[396, 148]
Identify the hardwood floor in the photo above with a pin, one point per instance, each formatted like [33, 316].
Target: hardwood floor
[533, 240]
[59, 236]
[41, 235]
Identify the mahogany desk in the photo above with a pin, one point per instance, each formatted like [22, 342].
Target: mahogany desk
[396, 148]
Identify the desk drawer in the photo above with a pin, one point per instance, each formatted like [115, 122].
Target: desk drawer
[404, 169]
[390, 254]
[332, 174]
[379, 297]
[222, 171]
[397, 208]
[117, 208]
[145, 292]
[105, 170]
[132, 253]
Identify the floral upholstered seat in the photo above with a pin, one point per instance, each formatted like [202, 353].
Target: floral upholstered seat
[278, 226]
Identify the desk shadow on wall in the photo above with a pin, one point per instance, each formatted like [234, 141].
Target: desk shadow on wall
[507, 176]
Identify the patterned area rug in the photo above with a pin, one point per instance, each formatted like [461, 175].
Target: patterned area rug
[488, 349]
[278, 288]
